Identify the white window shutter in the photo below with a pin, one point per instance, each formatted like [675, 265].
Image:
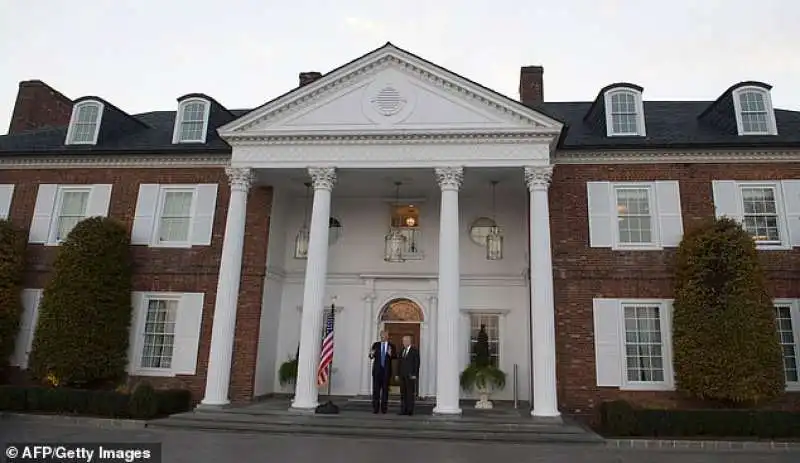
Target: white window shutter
[668, 199]
[99, 200]
[187, 334]
[145, 215]
[205, 203]
[43, 214]
[791, 201]
[136, 335]
[726, 199]
[6, 193]
[600, 209]
[27, 328]
[607, 342]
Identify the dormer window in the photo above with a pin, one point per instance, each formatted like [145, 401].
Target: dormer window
[84, 126]
[624, 113]
[754, 114]
[191, 122]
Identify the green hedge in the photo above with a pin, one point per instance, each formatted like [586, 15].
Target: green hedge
[12, 266]
[107, 404]
[621, 419]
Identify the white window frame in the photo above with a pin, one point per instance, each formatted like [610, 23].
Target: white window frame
[52, 238]
[74, 119]
[137, 369]
[655, 226]
[779, 209]
[794, 308]
[162, 197]
[639, 104]
[179, 120]
[772, 127]
[665, 322]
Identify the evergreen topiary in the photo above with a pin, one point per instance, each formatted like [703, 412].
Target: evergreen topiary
[481, 373]
[144, 402]
[82, 335]
[12, 266]
[726, 346]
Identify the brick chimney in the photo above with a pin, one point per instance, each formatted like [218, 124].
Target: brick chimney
[308, 77]
[531, 85]
[39, 106]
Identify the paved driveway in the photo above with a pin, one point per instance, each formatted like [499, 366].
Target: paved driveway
[199, 446]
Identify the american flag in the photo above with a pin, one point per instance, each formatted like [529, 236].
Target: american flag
[326, 354]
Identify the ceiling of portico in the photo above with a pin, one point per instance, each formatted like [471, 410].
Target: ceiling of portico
[415, 183]
[388, 91]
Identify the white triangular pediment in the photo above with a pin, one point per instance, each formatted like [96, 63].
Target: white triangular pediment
[389, 90]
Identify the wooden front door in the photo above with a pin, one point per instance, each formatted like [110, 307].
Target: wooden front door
[396, 331]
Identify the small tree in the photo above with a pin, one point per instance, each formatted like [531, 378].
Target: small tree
[12, 266]
[85, 313]
[726, 346]
[482, 373]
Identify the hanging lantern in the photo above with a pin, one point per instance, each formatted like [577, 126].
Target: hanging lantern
[494, 244]
[394, 241]
[301, 244]
[302, 238]
[494, 240]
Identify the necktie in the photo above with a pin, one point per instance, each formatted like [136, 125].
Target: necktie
[383, 353]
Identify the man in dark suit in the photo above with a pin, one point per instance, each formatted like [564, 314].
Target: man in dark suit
[382, 353]
[409, 371]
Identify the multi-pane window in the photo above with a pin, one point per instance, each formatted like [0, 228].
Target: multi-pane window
[783, 315]
[635, 221]
[623, 114]
[193, 116]
[159, 333]
[491, 323]
[84, 124]
[755, 118]
[72, 209]
[176, 216]
[760, 208]
[644, 356]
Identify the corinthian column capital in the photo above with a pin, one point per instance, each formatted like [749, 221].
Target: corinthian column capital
[449, 178]
[537, 177]
[240, 178]
[324, 178]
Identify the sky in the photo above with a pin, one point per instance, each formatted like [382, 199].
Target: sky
[142, 55]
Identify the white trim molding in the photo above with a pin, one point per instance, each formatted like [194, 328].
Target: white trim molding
[122, 160]
[76, 110]
[654, 156]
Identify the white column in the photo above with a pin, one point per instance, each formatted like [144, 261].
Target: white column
[223, 329]
[545, 400]
[306, 393]
[366, 342]
[447, 384]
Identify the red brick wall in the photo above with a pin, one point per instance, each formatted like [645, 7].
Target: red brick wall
[582, 273]
[159, 269]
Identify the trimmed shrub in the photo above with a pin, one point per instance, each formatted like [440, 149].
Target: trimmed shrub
[84, 317]
[108, 404]
[144, 402]
[12, 266]
[620, 419]
[726, 346]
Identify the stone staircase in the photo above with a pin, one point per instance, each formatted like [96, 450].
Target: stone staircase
[502, 424]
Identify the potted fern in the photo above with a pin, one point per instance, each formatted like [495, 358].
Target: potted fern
[287, 373]
[481, 374]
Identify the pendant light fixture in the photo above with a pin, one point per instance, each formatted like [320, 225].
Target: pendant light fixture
[494, 240]
[394, 242]
[301, 240]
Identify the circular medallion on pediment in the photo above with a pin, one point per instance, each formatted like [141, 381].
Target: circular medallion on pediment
[389, 99]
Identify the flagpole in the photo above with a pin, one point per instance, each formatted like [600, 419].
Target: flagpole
[330, 367]
[329, 407]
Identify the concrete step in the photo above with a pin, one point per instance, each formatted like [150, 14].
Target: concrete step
[381, 426]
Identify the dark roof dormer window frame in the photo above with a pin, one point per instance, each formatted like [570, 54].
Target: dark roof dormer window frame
[753, 109]
[624, 112]
[191, 121]
[84, 124]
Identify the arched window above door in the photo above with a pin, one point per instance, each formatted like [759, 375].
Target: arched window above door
[402, 310]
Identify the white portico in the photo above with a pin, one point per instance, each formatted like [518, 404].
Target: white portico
[387, 113]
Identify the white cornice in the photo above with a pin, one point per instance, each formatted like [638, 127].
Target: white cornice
[395, 138]
[676, 157]
[69, 161]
